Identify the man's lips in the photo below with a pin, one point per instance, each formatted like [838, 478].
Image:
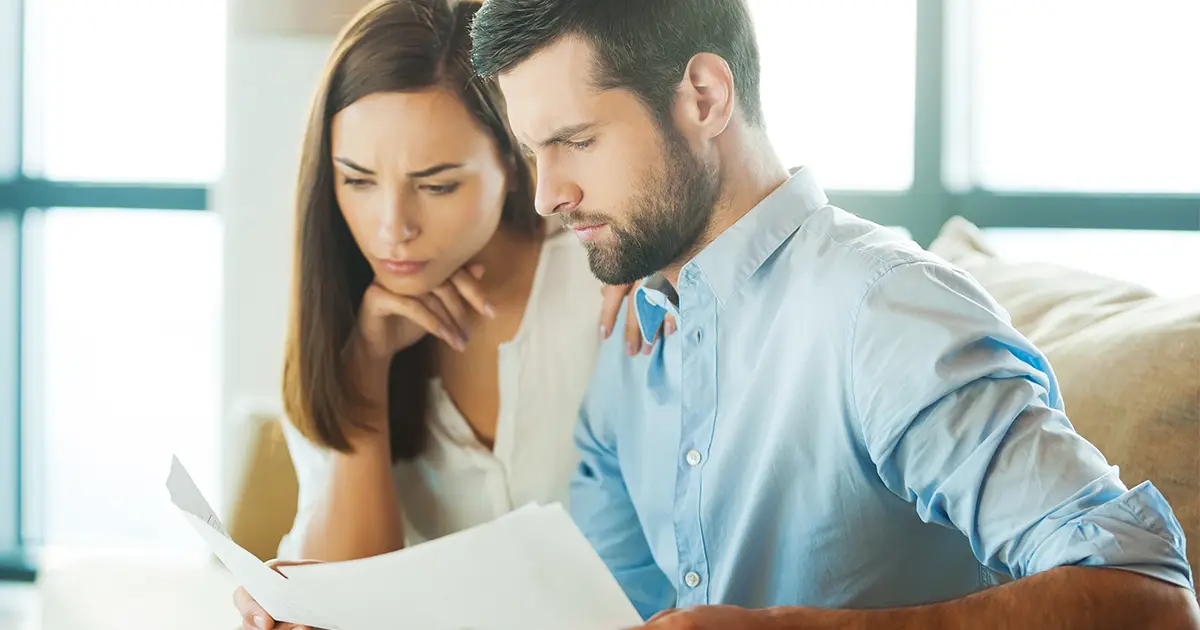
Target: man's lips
[589, 232]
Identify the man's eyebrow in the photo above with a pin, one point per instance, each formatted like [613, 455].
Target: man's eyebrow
[562, 134]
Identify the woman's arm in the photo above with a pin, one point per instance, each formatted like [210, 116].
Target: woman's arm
[358, 513]
[347, 505]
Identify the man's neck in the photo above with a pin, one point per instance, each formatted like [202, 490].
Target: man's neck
[750, 172]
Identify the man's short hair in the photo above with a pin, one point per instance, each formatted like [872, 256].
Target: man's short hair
[640, 45]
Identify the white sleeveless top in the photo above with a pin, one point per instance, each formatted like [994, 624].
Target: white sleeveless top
[544, 371]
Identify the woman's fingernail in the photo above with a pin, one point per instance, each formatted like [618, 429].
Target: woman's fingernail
[489, 310]
[670, 327]
[630, 349]
[646, 348]
[259, 622]
[603, 331]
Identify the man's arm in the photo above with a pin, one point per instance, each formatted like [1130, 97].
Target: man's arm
[600, 501]
[962, 417]
[1059, 599]
[1066, 597]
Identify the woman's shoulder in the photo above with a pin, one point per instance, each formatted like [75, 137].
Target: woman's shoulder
[565, 289]
[568, 256]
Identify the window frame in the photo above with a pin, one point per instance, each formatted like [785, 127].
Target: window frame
[21, 198]
[932, 200]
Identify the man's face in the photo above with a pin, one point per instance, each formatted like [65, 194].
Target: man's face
[635, 193]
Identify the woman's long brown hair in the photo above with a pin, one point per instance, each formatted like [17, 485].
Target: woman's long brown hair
[390, 46]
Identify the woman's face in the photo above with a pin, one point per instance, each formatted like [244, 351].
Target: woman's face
[420, 184]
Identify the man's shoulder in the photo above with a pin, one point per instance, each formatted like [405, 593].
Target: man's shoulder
[837, 257]
[860, 246]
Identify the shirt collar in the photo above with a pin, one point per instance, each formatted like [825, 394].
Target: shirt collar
[726, 263]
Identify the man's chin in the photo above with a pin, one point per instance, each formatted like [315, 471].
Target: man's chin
[609, 269]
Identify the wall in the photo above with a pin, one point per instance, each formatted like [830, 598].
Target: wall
[271, 77]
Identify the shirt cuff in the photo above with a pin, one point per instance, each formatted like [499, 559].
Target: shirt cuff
[1136, 531]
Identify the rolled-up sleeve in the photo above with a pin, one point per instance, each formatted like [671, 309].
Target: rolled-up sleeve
[963, 418]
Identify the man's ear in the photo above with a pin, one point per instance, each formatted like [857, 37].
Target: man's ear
[706, 97]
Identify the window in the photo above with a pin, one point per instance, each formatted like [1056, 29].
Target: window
[1085, 95]
[129, 353]
[9, 405]
[1164, 262]
[124, 90]
[838, 85]
[109, 318]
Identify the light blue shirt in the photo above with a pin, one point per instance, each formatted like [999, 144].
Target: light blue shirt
[842, 420]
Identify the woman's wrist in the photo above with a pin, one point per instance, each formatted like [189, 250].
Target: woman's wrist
[367, 375]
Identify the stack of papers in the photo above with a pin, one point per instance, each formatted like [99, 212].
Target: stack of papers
[528, 570]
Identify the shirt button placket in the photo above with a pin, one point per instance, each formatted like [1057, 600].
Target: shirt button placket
[698, 396]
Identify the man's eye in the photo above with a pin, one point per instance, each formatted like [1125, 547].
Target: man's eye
[579, 145]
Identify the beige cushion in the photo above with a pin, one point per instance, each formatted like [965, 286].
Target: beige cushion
[1127, 360]
[266, 501]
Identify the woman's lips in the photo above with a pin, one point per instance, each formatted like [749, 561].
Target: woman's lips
[403, 267]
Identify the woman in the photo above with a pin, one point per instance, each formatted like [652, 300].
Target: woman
[442, 335]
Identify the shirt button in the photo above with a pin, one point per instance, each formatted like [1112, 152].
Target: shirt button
[692, 579]
[693, 457]
[699, 335]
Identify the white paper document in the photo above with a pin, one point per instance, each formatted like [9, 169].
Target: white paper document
[529, 570]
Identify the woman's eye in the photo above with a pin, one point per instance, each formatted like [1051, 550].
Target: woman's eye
[580, 145]
[356, 182]
[441, 189]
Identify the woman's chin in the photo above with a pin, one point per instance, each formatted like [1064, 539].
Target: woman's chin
[411, 284]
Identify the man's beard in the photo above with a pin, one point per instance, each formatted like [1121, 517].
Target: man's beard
[669, 214]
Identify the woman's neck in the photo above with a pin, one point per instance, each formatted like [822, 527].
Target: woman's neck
[508, 261]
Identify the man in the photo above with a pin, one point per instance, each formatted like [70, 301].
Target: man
[845, 431]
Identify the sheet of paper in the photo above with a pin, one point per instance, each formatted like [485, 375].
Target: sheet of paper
[187, 497]
[529, 570]
[270, 589]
